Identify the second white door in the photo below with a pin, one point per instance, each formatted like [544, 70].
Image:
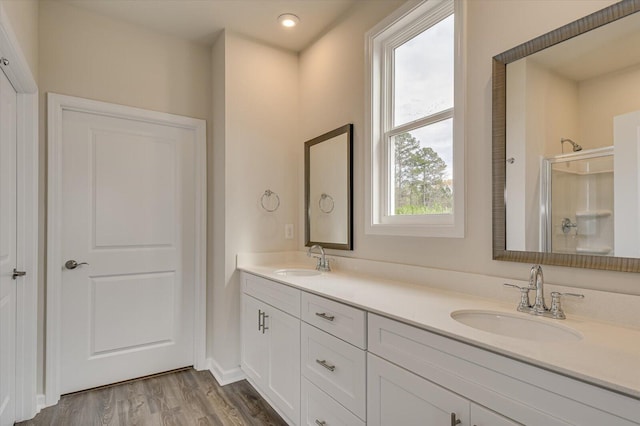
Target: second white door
[7, 251]
[128, 209]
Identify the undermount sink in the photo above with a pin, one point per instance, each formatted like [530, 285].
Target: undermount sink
[520, 327]
[293, 272]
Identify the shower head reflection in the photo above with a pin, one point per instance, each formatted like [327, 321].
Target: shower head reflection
[575, 146]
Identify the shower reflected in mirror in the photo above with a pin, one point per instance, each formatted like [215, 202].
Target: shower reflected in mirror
[575, 146]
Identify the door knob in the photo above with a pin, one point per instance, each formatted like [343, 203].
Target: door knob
[17, 274]
[72, 264]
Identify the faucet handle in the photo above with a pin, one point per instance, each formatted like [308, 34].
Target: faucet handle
[525, 304]
[323, 264]
[556, 306]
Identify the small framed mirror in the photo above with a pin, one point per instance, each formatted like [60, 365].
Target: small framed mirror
[328, 179]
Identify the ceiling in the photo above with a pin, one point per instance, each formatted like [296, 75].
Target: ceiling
[202, 20]
[612, 47]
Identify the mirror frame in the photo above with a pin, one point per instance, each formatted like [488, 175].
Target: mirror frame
[499, 123]
[348, 130]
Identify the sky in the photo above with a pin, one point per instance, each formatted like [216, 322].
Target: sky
[423, 85]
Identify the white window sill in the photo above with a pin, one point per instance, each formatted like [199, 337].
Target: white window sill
[413, 230]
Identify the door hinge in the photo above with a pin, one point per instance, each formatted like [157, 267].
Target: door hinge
[17, 273]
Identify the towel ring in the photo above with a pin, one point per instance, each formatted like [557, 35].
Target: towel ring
[267, 196]
[326, 203]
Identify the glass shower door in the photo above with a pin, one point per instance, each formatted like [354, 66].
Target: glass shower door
[579, 206]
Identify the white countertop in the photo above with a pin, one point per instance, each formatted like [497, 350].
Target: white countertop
[608, 355]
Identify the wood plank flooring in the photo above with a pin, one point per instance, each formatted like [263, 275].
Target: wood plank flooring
[185, 397]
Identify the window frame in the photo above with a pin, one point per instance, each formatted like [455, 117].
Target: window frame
[401, 26]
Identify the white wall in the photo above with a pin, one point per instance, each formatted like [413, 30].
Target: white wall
[91, 56]
[627, 191]
[332, 94]
[23, 15]
[216, 188]
[516, 110]
[256, 147]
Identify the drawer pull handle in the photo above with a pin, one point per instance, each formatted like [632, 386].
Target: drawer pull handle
[321, 422]
[324, 315]
[455, 421]
[326, 365]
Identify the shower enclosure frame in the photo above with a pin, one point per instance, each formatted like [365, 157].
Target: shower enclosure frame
[546, 187]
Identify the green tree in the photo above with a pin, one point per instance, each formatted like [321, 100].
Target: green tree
[420, 186]
[429, 171]
[405, 148]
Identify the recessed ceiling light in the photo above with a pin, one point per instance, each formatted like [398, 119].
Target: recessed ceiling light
[288, 20]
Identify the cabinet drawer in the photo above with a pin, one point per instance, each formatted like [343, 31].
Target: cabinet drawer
[278, 295]
[319, 409]
[343, 321]
[336, 367]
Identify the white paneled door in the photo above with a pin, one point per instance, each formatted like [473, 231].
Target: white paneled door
[128, 208]
[7, 251]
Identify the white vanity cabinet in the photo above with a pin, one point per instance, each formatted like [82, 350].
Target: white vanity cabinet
[319, 362]
[443, 376]
[270, 339]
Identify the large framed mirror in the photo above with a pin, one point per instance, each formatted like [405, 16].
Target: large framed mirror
[328, 177]
[566, 145]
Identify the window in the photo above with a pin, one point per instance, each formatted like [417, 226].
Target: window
[415, 140]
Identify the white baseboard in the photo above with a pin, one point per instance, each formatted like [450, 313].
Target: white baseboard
[224, 377]
[28, 415]
[40, 402]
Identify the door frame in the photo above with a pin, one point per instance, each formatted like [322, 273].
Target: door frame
[56, 104]
[27, 172]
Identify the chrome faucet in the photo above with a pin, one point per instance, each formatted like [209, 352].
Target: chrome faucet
[539, 307]
[323, 262]
[536, 282]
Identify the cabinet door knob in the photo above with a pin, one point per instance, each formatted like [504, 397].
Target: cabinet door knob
[321, 422]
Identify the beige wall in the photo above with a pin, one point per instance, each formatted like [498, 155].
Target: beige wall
[256, 147]
[331, 88]
[603, 98]
[216, 221]
[23, 15]
[86, 55]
